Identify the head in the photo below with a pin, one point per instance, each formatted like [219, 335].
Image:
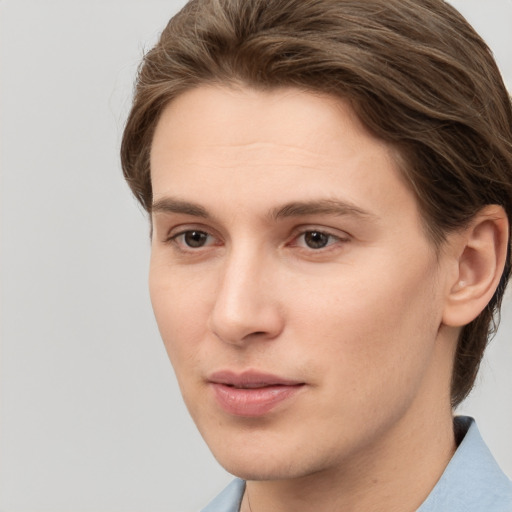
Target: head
[414, 72]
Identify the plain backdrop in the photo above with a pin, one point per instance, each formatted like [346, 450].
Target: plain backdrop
[91, 417]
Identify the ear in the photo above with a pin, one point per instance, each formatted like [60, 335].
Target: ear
[480, 251]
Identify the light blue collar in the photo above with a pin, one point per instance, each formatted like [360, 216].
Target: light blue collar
[229, 499]
[472, 481]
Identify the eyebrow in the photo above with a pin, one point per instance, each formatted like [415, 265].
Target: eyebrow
[171, 205]
[319, 207]
[293, 209]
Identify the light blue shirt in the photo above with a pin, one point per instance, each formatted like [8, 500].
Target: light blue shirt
[472, 481]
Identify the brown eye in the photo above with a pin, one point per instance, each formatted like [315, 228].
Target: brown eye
[195, 239]
[316, 239]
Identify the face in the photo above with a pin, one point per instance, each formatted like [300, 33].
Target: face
[295, 290]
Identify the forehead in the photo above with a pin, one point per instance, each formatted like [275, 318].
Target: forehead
[248, 148]
[210, 117]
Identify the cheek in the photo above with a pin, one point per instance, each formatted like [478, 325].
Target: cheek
[381, 327]
[370, 350]
[179, 312]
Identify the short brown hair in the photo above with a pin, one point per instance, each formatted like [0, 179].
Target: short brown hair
[415, 72]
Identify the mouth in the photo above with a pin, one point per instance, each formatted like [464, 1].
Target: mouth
[251, 394]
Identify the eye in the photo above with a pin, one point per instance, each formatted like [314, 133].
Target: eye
[192, 239]
[316, 239]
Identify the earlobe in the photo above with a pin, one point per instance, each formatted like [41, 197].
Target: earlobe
[481, 250]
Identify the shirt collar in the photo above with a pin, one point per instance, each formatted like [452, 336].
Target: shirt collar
[472, 481]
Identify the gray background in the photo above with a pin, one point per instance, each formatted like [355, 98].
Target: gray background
[91, 418]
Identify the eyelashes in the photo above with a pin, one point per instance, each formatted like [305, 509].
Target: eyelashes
[316, 239]
[193, 239]
[313, 239]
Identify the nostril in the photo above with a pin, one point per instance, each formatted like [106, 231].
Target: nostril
[239, 320]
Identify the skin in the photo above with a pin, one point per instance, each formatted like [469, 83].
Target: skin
[360, 321]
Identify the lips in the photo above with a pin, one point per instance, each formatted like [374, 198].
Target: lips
[251, 393]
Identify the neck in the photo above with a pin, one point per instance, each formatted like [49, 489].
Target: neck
[395, 474]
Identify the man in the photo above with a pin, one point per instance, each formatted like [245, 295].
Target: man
[329, 184]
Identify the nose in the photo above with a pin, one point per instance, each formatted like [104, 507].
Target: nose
[246, 306]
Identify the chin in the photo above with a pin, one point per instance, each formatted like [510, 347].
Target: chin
[262, 469]
[260, 461]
